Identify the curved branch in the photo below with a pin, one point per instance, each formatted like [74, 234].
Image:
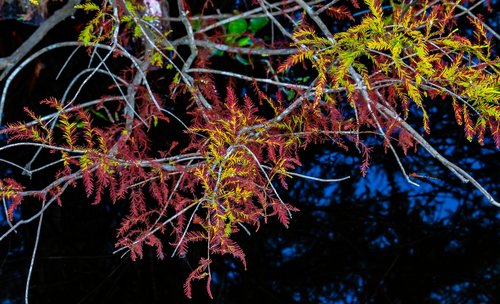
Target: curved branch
[459, 172]
[8, 63]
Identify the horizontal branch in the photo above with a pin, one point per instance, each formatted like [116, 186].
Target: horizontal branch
[235, 49]
[245, 77]
[317, 179]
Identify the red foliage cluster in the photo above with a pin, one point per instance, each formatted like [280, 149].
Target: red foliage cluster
[362, 83]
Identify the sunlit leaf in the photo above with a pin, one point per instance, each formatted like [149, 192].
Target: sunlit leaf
[257, 23]
[237, 27]
[245, 41]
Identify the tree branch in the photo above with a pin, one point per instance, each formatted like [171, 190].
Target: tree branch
[6, 64]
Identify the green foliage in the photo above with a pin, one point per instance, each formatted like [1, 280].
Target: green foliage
[90, 34]
[237, 27]
[89, 6]
[417, 63]
[257, 24]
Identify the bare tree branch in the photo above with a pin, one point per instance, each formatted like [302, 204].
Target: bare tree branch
[6, 64]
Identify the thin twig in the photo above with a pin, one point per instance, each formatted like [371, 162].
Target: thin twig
[317, 179]
[8, 63]
[459, 172]
[33, 255]
[266, 176]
